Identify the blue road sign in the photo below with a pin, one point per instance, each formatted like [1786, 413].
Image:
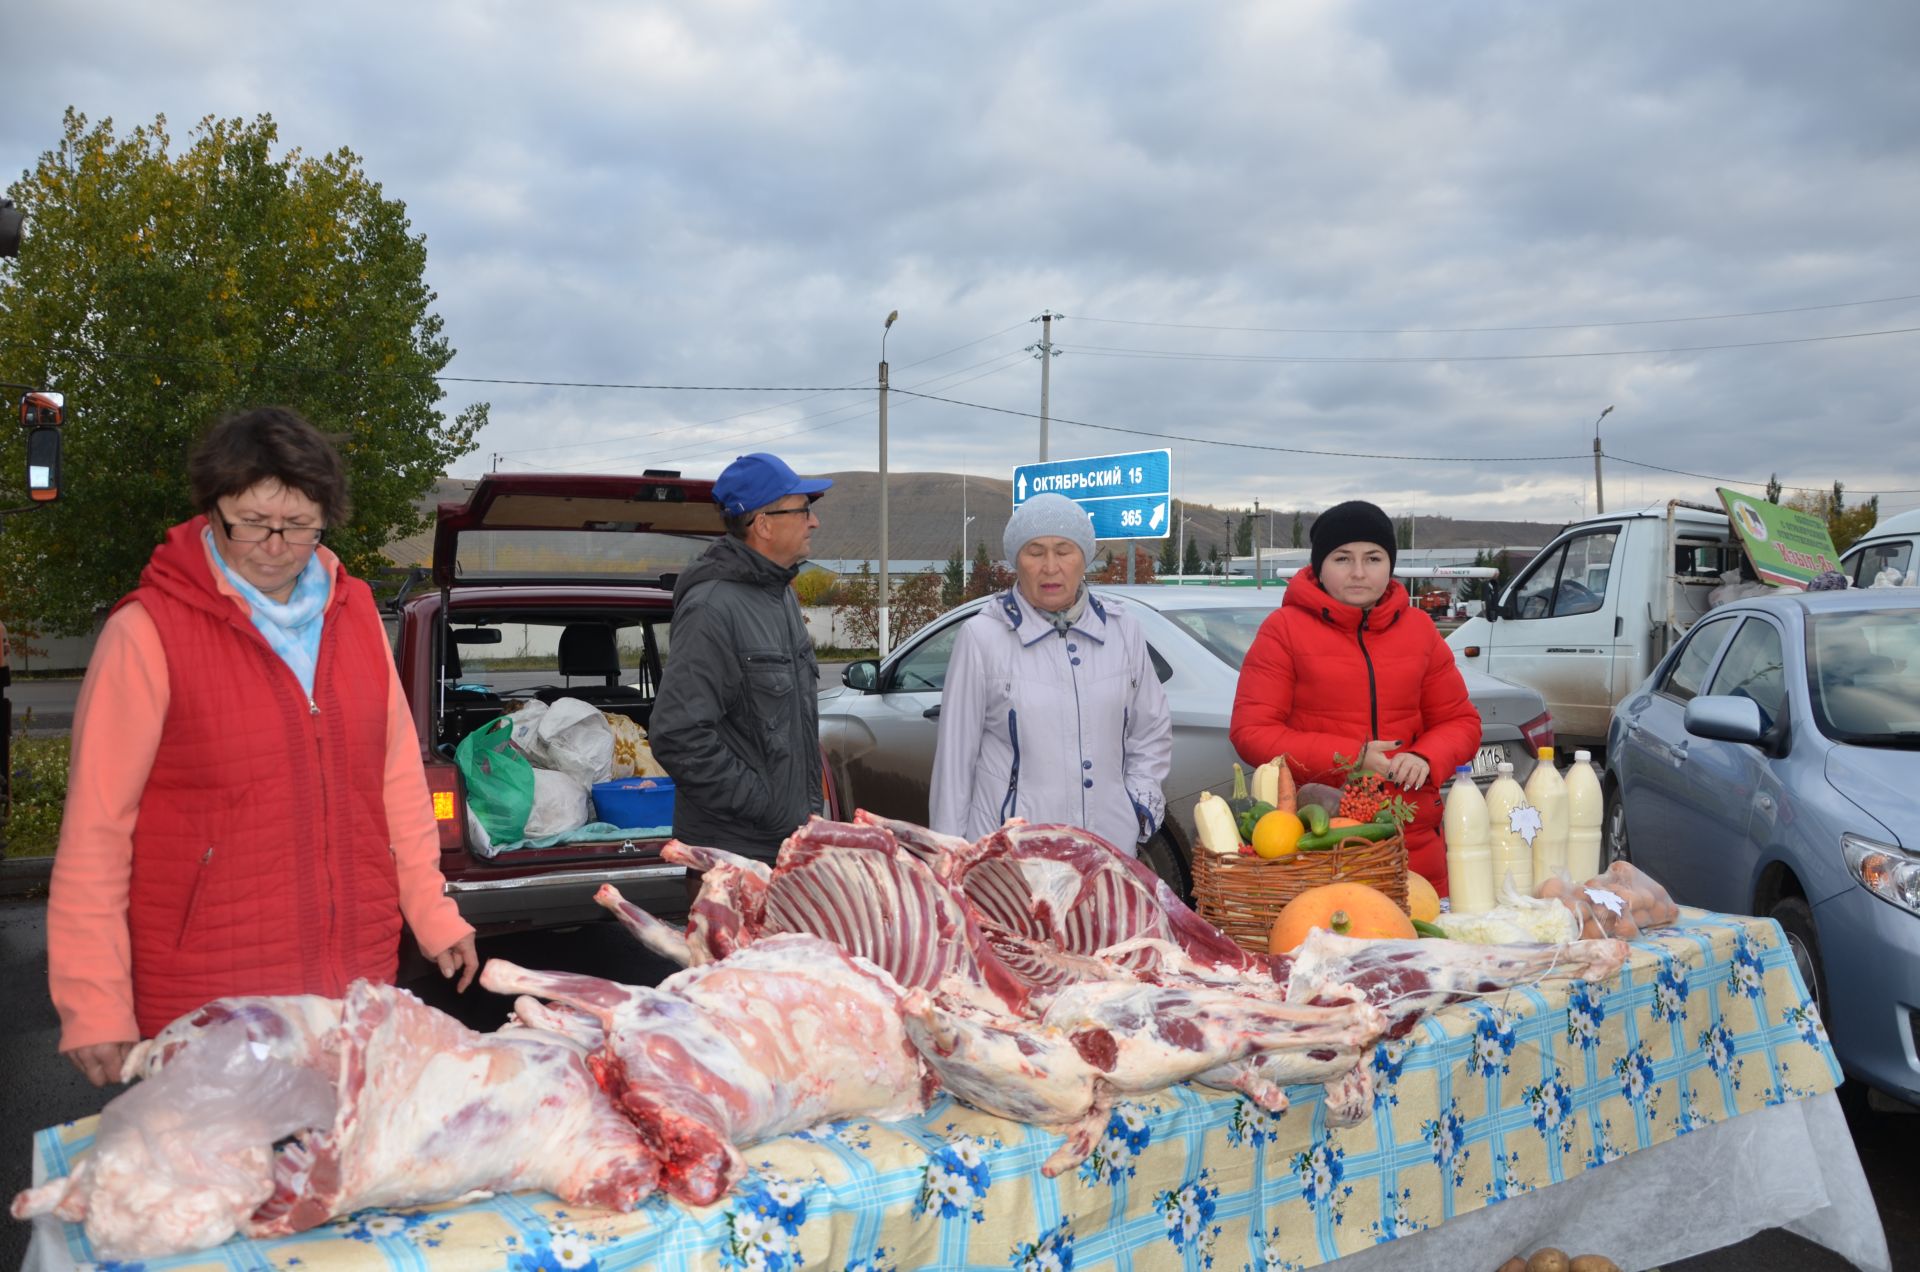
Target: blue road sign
[1127, 496]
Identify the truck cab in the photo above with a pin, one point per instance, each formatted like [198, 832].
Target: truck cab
[1891, 550]
[1587, 618]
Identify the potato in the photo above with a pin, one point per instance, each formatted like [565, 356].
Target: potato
[1515, 1264]
[1549, 1259]
[1593, 1263]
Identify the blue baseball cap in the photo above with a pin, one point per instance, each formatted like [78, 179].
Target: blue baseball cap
[756, 480]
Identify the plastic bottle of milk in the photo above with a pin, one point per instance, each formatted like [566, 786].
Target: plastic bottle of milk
[1547, 791]
[1469, 851]
[1512, 854]
[1586, 810]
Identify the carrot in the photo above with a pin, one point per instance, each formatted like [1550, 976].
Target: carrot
[1289, 800]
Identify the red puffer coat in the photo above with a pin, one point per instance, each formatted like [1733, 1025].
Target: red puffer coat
[1323, 678]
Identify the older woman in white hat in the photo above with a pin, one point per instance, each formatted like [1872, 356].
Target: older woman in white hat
[1051, 710]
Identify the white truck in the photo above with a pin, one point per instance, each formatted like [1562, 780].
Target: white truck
[1893, 545]
[1585, 621]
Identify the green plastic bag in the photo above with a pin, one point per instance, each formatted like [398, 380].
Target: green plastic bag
[499, 780]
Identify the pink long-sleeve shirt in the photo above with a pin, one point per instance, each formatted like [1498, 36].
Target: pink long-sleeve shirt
[89, 950]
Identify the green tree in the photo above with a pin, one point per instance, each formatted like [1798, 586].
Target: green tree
[1403, 532]
[980, 578]
[1299, 535]
[953, 584]
[1168, 558]
[1190, 563]
[1243, 536]
[161, 291]
[1773, 488]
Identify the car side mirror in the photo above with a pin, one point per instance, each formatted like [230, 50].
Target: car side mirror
[1725, 718]
[1490, 599]
[863, 675]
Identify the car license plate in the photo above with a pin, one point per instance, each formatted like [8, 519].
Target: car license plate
[1488, 759]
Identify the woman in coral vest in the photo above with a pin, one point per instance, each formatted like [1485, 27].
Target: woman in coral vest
[246, 812]
[1346, 669]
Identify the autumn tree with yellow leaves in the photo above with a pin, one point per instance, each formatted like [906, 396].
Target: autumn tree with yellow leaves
[160, 291]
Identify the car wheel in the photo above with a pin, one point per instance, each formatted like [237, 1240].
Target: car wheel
[1614, 828]
[1795, 918]
[1164, 859]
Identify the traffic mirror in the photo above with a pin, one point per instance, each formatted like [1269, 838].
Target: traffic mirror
[42, 414]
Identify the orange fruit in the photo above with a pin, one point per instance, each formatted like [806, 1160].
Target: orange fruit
[1277, 834]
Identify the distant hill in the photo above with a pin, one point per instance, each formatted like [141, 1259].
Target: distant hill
[924, 520]
[924, 515]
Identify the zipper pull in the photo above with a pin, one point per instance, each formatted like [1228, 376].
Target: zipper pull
[313, 708]
[207, 856]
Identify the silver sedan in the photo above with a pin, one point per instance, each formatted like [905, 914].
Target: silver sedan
[879, 726]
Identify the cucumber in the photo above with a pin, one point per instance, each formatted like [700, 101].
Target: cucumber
[1427, 929]
[1314, 818]
[1373, 831]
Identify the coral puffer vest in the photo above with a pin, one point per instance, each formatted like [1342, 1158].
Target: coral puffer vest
[261, 857]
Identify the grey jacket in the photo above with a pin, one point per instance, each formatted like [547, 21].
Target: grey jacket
[736, 724]
[1054, 728]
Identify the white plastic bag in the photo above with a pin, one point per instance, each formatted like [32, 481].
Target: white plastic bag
[576, 739]
[560, 803]
[526, 718]
[182, 1160]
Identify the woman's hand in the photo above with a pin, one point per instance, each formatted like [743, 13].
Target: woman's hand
[100, 1062]
[461, 957]
[1374, 759]
[1408, 771]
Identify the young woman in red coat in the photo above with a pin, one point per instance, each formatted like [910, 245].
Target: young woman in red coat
[1346, 667]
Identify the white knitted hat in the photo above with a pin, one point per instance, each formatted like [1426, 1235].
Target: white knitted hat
[1045, 516]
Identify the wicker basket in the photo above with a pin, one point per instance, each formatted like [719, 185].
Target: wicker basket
[1241, 895]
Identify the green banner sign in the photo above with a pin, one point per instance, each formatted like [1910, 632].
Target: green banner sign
[1787, 547]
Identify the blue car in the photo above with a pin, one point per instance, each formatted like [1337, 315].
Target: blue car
[1770, 765]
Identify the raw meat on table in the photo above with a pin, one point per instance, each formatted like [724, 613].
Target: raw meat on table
[781, 1035]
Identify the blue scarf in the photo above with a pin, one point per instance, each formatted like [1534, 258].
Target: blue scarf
[292, 627]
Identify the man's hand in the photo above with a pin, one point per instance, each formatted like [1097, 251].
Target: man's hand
[100, 1062]
[460, 958]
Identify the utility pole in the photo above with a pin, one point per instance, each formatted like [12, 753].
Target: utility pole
[1599, 499]
[886, 641]
[1046, 353]
[1258, 582]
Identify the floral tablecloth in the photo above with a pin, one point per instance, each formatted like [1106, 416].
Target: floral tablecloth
[1481, 1102]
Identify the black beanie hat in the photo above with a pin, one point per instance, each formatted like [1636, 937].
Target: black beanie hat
[1355, 521]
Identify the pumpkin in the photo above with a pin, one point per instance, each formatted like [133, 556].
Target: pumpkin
[1423, 902]
[1345, 909]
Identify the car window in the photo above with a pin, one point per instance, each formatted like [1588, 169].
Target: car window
[1863, 670]
[1571, 580]
[1753, 669]
[1226, 632]
[1877, 558]
[923, 668]
[1162, 669]
[1684, 678]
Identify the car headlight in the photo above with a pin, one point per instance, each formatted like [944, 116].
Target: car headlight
[1887, 871]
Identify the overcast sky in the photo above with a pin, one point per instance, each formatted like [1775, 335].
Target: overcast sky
[1427, 230]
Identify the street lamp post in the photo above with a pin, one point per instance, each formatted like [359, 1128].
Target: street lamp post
[1182, 566]
[885, 634]
[1599, 500]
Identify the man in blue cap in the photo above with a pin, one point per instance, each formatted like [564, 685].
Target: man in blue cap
[735, 723]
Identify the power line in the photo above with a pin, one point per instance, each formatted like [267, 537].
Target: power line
[1549, 326]
[1425, 459]
[1258, 446]
[758, 410]
[1104, 351]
